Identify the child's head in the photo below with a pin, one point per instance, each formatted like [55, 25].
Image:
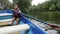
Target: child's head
[15, 6]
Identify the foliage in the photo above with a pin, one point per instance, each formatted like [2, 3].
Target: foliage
[47, 11]
[24, 5]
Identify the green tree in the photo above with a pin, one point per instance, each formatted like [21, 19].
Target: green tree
[24, 5]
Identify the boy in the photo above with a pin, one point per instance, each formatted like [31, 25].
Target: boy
[16, 14]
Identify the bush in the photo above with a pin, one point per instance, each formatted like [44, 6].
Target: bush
[47, 16]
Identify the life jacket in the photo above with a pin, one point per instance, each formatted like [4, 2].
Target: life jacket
[16, 12]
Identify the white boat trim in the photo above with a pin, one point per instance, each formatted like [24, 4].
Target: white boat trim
[12, 29]
[5, 14]
[5, 20]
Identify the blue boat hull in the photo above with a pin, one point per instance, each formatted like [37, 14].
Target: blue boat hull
[34, 29]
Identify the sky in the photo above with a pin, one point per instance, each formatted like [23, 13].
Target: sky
[11, 1]
[34, 2]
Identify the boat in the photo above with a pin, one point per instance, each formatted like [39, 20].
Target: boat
[25, 26]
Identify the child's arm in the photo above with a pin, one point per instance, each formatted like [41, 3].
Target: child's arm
[19, 11]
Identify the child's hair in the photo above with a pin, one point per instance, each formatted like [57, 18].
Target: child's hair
[15, 5]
